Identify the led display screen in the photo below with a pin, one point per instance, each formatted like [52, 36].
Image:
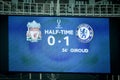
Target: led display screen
[58, 44]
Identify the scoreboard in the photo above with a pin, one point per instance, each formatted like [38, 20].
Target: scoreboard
[58, 44]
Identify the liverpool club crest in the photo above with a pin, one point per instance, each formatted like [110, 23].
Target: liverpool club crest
[33, 33]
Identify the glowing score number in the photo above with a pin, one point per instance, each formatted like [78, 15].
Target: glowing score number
[51, 40]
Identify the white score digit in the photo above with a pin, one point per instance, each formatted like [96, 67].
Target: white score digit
[67, 40]
[51, 40]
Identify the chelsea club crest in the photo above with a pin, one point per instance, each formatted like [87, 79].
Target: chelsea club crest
[84, 33]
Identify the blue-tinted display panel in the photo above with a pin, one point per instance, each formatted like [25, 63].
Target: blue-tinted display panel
[59, 44]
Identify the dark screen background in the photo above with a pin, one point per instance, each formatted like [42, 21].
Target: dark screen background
[114, 44]
[3, 43]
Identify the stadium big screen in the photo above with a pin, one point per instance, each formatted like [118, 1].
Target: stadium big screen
[58, 44]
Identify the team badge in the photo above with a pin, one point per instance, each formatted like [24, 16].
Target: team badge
[84, 33]
[33, 33]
